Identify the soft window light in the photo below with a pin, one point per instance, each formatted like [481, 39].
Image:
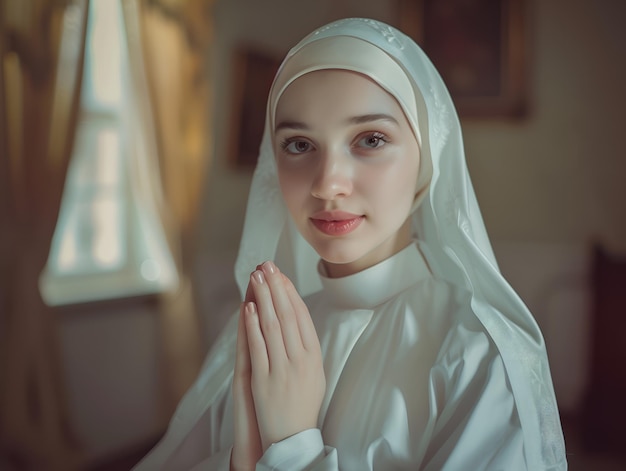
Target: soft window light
[108, 242]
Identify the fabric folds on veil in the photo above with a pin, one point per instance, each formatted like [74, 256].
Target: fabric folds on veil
[447, 223]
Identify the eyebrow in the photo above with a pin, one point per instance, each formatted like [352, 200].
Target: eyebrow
[361, 119]
[290, 125]
[368, 118]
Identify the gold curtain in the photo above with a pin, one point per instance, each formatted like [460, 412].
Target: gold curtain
[177, 39]
[41, 57]
[42, 44]
[170, 49]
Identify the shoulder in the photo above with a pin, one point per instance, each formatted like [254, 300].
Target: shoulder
[476, 417]
[438, 306]
[468, 361]
[438, 295]
[468, 357]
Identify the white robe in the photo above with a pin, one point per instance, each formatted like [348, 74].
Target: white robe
[413, 382]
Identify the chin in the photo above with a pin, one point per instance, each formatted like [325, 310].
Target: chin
[341, 252]
[338, 259]
[334, 250]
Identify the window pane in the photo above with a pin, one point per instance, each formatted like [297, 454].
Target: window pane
[93, 233]
[108, 241]
[103, 84]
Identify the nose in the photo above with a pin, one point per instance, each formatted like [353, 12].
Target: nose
[333, 177]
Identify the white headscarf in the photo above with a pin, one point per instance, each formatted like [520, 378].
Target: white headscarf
[447, 222]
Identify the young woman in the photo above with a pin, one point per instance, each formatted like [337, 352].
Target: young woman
[376, 331]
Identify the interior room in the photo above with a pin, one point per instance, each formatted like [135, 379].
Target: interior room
[128, 138]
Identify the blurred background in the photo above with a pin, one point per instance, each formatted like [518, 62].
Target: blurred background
[128, 131]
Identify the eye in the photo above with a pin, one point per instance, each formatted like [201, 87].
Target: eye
[373, 140]
[296, 146]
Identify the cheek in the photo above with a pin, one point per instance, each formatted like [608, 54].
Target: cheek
[393, 189]
[407, 178]
[293, 190]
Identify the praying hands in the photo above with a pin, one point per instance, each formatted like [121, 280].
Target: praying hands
[279, 382]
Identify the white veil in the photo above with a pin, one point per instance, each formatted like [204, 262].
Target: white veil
[447, 223]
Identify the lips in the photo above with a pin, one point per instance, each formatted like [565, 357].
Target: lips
[336, 223]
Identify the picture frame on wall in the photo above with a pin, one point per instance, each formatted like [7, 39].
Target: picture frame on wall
[478, 47]
[254, 71]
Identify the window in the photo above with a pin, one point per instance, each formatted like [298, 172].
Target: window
[108, 241]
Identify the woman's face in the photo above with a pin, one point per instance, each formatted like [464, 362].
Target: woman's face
[347, 164]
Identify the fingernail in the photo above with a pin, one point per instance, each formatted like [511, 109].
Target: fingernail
[269, 267]
[250, 308]
[258, 276]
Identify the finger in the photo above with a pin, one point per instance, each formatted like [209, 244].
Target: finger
[284, 309]
[249, 297]
[270, 325]
[259, 359]
[247, 441]
[308, 334]
[242, 357]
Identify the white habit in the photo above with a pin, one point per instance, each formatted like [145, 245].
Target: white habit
[413, 382]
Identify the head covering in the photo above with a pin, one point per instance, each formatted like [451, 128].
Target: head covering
[447, 222]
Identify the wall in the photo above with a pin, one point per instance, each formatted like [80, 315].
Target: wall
[557, 176]
[111, 357]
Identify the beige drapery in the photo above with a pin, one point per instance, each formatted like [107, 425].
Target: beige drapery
[169, 44]
[41, 56]
[169, 50]
[177, 40]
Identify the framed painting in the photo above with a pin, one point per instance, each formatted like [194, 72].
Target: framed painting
[254, 72]
[478, 46]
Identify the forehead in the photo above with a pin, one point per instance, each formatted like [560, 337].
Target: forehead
[334, 90]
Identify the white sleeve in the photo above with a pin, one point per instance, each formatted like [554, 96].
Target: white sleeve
[300, 452]
[478, 426]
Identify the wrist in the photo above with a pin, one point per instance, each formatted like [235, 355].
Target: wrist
[241, 463]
